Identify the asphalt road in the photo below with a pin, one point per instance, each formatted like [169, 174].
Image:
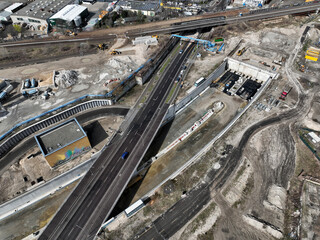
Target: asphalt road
[185, 209]
[95, 196]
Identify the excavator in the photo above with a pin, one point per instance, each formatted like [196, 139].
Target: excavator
[240, 52]
[70, 33]
[102, 46]
[115, 52]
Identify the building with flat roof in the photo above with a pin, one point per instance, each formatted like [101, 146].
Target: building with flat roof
[146, 8]
[63, 142]
[8, 11]
[70, 17]
[37, 13]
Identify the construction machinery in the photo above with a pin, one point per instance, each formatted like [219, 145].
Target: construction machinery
[102, 46]
[241, 51]
[285, 93]
[115, 52]
[155, 36]
[302, 68]
[70, 33]
[264, 63]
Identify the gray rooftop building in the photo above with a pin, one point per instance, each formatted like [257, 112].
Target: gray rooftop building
[147, 8]
[63, 142]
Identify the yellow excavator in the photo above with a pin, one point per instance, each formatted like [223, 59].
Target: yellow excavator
[102, 46]
[70, 33]
[115, 52]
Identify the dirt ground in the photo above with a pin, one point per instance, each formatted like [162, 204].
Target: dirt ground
[310, 211]
[93, 72]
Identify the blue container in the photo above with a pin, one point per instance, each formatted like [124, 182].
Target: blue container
[32, 91]
[3, 95]
[34, 82]
[27, 83]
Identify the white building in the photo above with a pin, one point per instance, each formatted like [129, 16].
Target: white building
[71, 16]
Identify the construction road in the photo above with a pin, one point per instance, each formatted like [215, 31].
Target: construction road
[94, 198]
[185, 209]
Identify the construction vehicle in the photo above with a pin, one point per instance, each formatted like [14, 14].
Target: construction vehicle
[70, 33]
[302, 68]
[115, 52]
[155, 36]
[241, 51]
[264, 63]
[102, 46]
[285, 93]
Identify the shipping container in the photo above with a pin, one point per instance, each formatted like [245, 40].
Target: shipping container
[27, 83]
[8, 89]
[3, 95]
[34, 83]
[3, 84]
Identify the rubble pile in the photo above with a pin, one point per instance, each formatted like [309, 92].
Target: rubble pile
[66, 78]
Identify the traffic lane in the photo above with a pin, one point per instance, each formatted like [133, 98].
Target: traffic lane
[67, 209]
[178, 215]
[81, 217]
[159, 93]
[183, 211]
[112, 174]
[151, 233]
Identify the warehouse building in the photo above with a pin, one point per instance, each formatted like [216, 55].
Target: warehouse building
[7, 12]
[70, 17]
[146, 8]
[37, 13]
[63, 142]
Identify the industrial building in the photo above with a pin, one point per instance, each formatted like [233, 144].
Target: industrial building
[70, 17]
[37, 13]
[146, 8]
[7, 12]
[63, 142]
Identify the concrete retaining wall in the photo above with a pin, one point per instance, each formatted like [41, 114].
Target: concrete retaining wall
[194, 94]
[250, 70]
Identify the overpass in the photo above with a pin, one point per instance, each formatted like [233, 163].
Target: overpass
[214, 21]
[95, 196]
[186, 24]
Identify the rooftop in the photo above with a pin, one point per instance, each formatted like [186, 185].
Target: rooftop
[69, 12]
[143, 6]
[43, 9]
[12, 7]
[60, 136]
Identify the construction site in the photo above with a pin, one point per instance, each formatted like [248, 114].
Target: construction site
[237, 154]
